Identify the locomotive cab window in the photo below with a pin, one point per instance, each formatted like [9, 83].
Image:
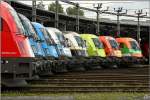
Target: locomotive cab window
[62, 39]
[34, 49]
[97, 43]
[80, 42]
[27, 24]
[134, 45]
[47, 37]
[113, 44]
[17, 21]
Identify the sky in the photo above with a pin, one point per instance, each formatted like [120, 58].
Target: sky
[131, 6]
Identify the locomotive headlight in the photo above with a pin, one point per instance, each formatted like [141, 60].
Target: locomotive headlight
[4, 61]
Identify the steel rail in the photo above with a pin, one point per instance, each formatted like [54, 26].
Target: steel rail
[79, 89]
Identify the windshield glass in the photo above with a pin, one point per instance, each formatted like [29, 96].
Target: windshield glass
[61, 38]
[17, 20]
[80, 41]
[34, 49]
[47, 36]
[134, 45]
[97, 43]
[28, 25]
[113, 44]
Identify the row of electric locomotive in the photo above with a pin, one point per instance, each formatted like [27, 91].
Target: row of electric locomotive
[29, 49]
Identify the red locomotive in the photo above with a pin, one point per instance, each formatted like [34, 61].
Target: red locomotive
[16, 52]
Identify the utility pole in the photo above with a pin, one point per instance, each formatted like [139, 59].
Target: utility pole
[98, 11]
[77, 18]
[139, 15]
[56, 14]
[119, 13]
[34, 10]
[98, 7]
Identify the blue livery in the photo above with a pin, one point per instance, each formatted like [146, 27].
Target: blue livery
[32, 35]
[48, 45]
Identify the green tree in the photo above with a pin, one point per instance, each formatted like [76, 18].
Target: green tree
[52, 7]
[73, 11]
[40, 5]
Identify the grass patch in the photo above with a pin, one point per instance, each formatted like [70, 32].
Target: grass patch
[86, 96]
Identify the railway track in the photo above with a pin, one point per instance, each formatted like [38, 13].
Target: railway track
[100, 77]
[91, 82]
[45, 89]
[132, 70]
[104, 80]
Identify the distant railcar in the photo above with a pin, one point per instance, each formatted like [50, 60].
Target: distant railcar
[131, 50]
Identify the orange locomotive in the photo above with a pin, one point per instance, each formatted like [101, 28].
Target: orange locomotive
[129, 47]
[111, 46]
[131, 50]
